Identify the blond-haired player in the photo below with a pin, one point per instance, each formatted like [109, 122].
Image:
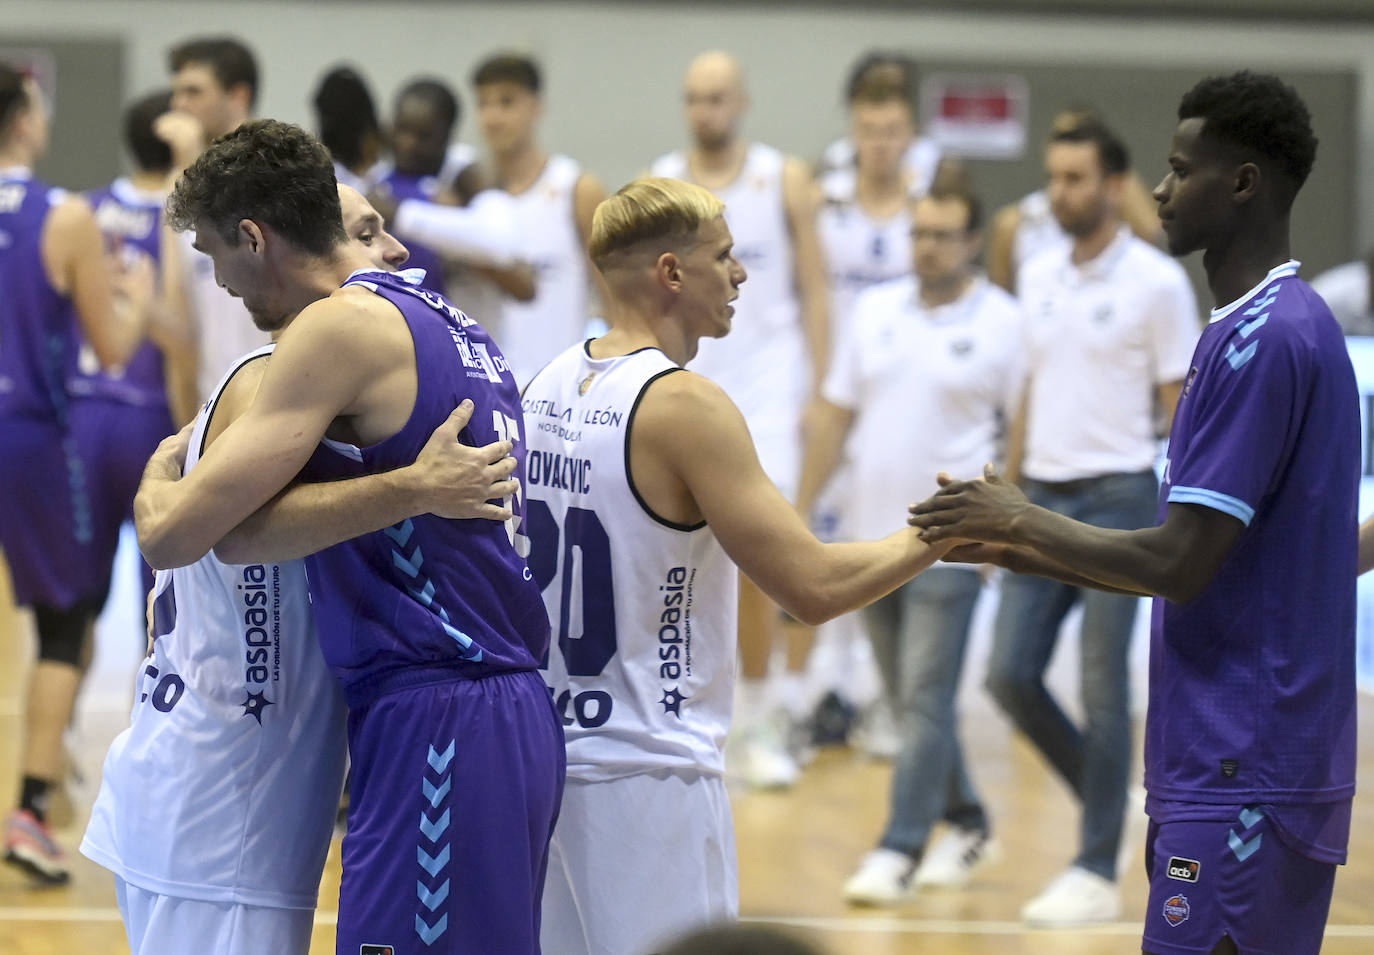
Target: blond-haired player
[645, 493]
[772, 367]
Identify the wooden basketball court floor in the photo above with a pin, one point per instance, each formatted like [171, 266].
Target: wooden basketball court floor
[795, 848]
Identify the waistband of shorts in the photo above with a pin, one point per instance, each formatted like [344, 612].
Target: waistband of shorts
[370, 689]
[1081, 485]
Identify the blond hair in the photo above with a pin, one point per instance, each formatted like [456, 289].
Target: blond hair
[667, 211]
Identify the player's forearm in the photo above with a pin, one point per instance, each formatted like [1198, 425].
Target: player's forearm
[167, 530]
[816, 324]
[1138, 561]
[307, 518]
[1021, 560]
[482, 234]
[854, 574]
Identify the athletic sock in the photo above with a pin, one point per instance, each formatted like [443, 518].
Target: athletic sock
[34, 797]
[753, 702]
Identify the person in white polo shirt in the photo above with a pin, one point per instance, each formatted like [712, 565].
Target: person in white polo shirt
[924, 376]
[1112, 322]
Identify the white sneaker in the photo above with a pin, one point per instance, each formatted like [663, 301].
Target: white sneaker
[955, 856]
[877, 733]
[884, 878]
[1076, 897]
[762, 760]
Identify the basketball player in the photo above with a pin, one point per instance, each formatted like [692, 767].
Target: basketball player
[864, 226]
[554, 199]
[922, 161]
[645, 495]
[1250, 734]
[214, 87]
[1028, 227]
[463, 234]
[53, 271]
[433, 626]
[774, 362]
[119, 417]
[346, 118]
[214, 811]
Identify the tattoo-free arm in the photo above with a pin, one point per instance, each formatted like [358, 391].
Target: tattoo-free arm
[802, 199]
[1175, 560]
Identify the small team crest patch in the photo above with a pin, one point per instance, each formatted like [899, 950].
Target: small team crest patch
[1176, 910]
[585, 384]
[1184, 870]
[376, 950]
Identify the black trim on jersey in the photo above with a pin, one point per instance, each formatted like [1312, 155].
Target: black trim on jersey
[214, 401]
[587, 350]
[629, 475]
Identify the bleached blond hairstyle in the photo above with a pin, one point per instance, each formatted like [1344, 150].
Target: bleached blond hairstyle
[665, 211]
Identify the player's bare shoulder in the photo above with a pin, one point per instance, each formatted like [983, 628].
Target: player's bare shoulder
[681, 411]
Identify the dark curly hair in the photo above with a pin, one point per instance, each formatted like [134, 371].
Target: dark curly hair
[272, 172]
[346, 113]
[1258, 114]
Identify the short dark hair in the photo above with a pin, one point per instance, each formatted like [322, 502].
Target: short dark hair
[14, 97]
[1111, 151]
[882, 69]
[1256, 113]
[346, 114]
[273, 172]
[150, 152]
[230, 61]
[509, 68]
[958, 192]
[438, 95]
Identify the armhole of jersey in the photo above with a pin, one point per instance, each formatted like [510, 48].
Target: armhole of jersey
[629, 475]
[214, 404]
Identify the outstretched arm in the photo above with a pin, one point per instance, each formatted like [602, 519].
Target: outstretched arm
[697, 437]
[1175, 560]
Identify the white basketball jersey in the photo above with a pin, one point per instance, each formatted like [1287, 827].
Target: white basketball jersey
[763, 364]
[532, 333]
[225, 785]
[642, 655]
[860, 251]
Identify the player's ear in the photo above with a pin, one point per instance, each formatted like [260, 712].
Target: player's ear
[1247, 182]
[668, 270]
[251, 235]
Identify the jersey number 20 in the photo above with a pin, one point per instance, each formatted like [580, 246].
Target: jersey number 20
[584, 552]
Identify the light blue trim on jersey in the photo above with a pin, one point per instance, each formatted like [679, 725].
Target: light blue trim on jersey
[1215, 500]
[1283, 271]
[432, 832]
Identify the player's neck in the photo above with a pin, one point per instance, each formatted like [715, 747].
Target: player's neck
[16, 156]
[943, 292]
[1090, 246]
[1234, 269]
[881, 194]
[717, 165]
[520, 168]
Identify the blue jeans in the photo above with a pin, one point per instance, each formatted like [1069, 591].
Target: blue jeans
[1095, 760]
[919, 633]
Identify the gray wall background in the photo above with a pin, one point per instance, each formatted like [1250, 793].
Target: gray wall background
[613, 72]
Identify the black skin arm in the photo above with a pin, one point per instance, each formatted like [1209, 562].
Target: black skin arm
[1175, 560]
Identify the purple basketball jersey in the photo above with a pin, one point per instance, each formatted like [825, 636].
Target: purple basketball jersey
[430, 598]
[133, 219]
[424, 188]
[37, 324]
[1252, 687]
